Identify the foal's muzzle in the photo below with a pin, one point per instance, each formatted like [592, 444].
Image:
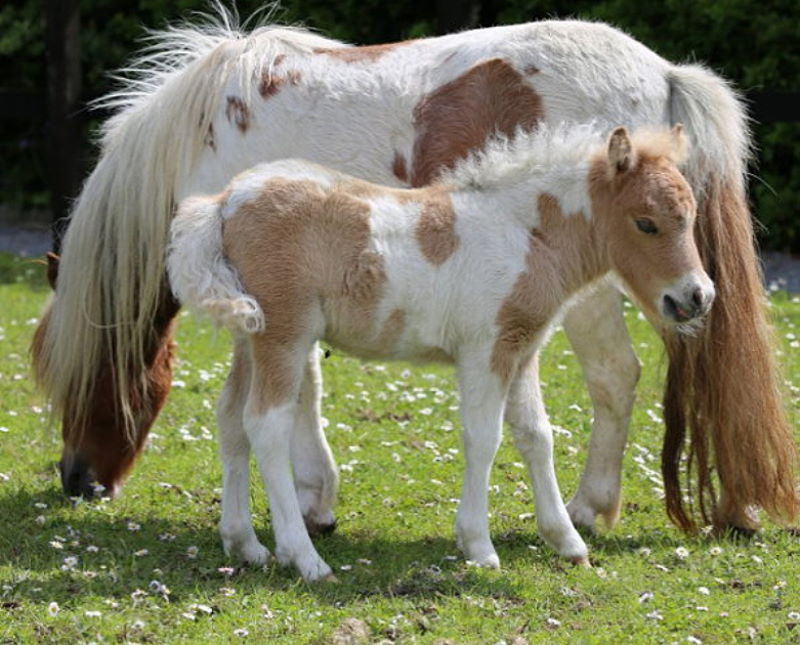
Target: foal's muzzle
[691, 302]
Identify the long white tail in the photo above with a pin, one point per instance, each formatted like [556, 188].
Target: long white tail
[199, 274]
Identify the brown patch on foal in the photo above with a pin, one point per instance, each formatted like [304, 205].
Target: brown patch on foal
[364, 54]
[436, 227]
[298, 247]
[457, 118]
[238, 113]
[670, 214]
[554, 265]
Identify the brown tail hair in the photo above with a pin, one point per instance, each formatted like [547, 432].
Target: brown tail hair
[723, 387]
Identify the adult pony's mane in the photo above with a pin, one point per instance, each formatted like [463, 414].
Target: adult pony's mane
[169, 51]
[565, 149]
[170, 93]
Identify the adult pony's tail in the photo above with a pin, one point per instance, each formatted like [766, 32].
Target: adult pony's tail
[199, 274]
[723, 385]
[111, 279]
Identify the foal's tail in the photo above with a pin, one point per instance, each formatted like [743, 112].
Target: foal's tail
[199, 274]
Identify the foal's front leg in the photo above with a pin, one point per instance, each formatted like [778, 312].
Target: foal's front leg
[236, 526]
[482, 397]
[534, 439]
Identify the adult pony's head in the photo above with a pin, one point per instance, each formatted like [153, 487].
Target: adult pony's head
[646, 212]
[100, 445]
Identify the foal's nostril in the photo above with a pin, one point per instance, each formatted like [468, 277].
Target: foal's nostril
[698, 298]
[671, 308]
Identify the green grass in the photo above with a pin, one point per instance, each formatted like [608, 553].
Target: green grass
[394, 430]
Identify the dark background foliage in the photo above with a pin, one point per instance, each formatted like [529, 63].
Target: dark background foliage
[754, 43]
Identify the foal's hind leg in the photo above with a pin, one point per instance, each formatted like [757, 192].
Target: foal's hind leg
[236, 526]
[315, 476]
[596, 329]
[533, 437]
[269, 417]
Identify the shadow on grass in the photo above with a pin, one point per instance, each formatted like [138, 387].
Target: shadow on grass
[366, 564]
[129, 552]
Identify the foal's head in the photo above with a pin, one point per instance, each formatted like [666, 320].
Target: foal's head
[646, 212]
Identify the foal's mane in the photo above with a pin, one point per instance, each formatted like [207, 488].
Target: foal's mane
[566, 150]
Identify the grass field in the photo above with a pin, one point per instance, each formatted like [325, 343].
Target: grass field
[148, 567]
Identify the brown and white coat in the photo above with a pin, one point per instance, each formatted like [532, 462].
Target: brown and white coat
[213, 102]
[473, 270]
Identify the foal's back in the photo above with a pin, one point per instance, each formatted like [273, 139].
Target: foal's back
[376, 271]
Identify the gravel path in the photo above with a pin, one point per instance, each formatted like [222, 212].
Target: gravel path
[781, 270]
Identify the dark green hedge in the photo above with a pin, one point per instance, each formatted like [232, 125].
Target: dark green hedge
[754, 43]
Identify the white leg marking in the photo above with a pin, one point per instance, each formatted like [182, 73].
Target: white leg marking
[236, 526]
[598, 334]
[270, 434]
[315, 475]
[482, 398]
[533, 437]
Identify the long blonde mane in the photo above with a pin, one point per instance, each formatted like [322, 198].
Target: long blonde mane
[111, 275]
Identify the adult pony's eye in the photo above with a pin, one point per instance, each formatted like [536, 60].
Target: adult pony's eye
[646, 225]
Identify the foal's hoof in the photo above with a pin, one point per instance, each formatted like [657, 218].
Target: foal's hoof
[319, 529]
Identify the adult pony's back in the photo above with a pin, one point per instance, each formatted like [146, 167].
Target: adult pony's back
[210, 101]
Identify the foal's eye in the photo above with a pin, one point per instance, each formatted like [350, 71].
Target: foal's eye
[646, 226]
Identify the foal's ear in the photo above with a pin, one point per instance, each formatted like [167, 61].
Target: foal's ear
[620, 151]
[52, 269]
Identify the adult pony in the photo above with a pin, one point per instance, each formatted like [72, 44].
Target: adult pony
[209, 101]
[473, 270]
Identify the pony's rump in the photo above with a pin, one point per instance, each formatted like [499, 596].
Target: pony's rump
[199, 275]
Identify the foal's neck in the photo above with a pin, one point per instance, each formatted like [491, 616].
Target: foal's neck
[556, 209]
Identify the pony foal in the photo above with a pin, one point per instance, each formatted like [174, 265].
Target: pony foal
[473, 270]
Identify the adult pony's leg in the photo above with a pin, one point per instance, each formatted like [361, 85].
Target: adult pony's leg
[315, 476]
[269, 417]
[236, 526]
[596, 329]
[533, 437]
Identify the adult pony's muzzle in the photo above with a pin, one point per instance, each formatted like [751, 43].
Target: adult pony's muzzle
[77, 477]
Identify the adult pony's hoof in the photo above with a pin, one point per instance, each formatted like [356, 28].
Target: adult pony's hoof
[734, 531]
[319, 529]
